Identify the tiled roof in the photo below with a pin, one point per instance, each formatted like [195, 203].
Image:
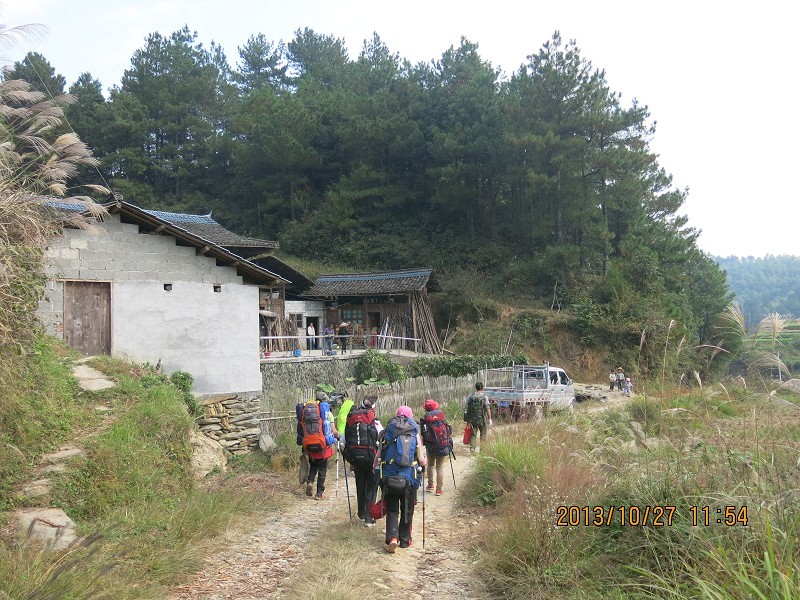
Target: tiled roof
[65, 206]
[373, 284]
[299, 282]
[251, 272]
[208, 229]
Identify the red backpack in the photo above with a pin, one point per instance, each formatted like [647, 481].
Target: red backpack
[436, 433]
[360, 436]
[313, 431]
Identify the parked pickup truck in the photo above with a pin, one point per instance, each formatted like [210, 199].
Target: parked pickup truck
[524, 390]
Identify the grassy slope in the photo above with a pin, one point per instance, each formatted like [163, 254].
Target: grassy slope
[148, 523]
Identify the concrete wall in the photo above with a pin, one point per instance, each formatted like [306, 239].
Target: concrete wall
[212, 335]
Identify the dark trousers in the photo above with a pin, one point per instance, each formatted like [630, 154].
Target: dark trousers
[365, 486]
[318, 466]
[400, 515]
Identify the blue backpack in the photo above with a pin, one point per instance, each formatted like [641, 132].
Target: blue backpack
[399, 450]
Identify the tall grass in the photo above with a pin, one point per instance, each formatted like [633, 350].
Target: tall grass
[712, 448]
[525, 473]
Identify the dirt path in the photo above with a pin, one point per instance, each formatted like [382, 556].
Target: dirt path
[262, 562]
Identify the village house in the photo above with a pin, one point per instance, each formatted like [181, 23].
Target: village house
[150, 289]
[387, 309]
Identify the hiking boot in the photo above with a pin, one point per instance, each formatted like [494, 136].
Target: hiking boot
[439, 491]
[309, 490]
[407, 544]
[369, 523]
[429, 488]
[392, 546]
[318, 496]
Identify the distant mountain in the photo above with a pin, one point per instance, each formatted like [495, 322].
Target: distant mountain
[764, 285]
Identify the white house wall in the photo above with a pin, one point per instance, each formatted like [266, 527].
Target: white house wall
[212, 335]
[307, 308]
[214, 332]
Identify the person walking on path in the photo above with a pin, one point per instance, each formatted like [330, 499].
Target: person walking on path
[612, 381]
[477, 415]
[620, 378]
[400, 463]
[628, 386]
[360, 449]
[317, 436]
[311, 341]
[438, 440]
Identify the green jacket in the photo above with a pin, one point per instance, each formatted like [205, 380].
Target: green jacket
[341, 417]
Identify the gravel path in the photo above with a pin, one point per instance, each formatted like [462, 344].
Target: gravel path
[261, 562]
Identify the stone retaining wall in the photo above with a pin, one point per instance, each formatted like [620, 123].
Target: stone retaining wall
[282, 381]
[232, 421]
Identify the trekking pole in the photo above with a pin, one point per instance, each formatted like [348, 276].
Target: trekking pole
[422, 485]
[452, 458]
[337, 469]
[347, 489]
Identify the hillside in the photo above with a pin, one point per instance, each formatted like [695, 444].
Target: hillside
[764, 285]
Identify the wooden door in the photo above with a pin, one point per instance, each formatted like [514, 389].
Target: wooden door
[87, 316]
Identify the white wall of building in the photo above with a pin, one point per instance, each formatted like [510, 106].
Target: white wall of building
[211, 335]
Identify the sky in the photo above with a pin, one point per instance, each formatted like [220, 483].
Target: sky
[718, 77]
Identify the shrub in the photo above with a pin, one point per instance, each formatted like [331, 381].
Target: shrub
[645, 411]
[182, 380]
[480, 310]
[461, 364]
[375, 366]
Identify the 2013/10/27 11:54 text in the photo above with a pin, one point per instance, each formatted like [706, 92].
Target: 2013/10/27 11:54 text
[653, 516]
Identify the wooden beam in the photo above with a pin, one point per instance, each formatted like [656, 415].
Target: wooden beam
[203, 250]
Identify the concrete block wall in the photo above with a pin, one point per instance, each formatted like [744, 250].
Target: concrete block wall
[309, 308]
[212, 335]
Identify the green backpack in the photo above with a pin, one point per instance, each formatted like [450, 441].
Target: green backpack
[474, 413]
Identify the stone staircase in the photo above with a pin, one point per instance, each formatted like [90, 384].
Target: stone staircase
[46, 526]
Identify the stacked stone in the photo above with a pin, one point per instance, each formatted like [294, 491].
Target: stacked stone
[232, 421]
[288, 375]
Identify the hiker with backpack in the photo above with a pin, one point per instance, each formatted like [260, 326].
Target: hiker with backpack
[477, 415]
[317, 436]
[438, 440]
[400, 462]
[360, 449]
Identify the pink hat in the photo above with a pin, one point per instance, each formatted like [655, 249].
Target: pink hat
[430, 404]
[405, 411]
